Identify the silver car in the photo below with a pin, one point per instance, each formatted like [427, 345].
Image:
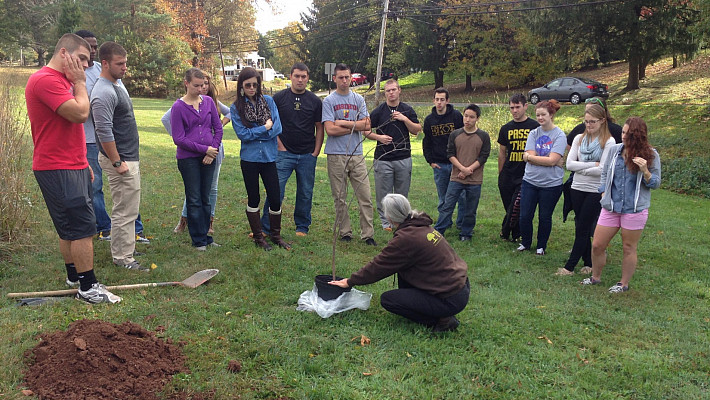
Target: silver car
[572, 89]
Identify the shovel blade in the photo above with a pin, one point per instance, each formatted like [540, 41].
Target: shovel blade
[200, 277]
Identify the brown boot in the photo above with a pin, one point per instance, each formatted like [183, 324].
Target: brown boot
[275, 222]
[211, 230]
[255, 225]
[180, 227]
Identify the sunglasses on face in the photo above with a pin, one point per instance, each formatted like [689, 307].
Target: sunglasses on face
[250, 85]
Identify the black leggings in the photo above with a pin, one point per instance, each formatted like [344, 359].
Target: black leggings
[422, 307]
[586, 212]
[270, 178]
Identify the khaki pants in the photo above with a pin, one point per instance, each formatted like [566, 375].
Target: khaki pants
[340, 168]
[126, 196]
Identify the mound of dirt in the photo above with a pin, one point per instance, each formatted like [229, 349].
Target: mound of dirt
[99, 360]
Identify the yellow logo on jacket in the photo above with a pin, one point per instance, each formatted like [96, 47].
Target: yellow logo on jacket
[434, 237]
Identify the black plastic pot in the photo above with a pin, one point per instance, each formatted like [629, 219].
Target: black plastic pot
[326, 291]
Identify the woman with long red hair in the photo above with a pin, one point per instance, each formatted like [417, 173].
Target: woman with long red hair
[631, 170]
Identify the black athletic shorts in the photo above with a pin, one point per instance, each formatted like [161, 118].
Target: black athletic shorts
[67, 193]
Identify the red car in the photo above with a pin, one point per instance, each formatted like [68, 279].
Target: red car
[358, 79]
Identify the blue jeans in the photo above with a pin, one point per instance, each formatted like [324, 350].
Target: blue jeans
[453, 194]
[442, 177]
[305, 167]
[213, 190]
[197, 178]
[546, 199]
[103, 221]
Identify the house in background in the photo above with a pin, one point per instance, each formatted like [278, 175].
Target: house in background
[253, 60]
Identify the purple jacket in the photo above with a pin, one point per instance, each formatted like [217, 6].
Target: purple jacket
[194, 131]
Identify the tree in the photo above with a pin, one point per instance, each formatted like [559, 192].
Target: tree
[287, 45]
[264, 48]
[336, 31]
[69, 18]
[33, 23]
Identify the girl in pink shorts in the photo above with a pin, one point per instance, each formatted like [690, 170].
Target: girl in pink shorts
[631, 170]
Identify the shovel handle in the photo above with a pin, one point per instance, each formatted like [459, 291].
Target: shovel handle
[67, 292]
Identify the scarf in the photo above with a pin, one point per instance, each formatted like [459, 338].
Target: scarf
[590, 151]
[259, 113]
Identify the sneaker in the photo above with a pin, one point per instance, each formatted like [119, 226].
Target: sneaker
[446, 325]
[590, 281]
[521, 248]
[214, 244]
[132, 265]
[72, 284]
[105, 235]
[585, 270]
[97, 294]
[346, 238]
[140, 238]
[540, 252]
[370, 242]
[465, 238]
[301, 234]
[618, 288]
[201, 248]
[563, 272]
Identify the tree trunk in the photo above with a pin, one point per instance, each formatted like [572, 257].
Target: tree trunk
[40, 57]
[643, 63]
[439, 79]
[675, 61]
[469, 86]
[633, 81]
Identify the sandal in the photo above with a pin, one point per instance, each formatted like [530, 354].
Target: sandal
[590, 281]
[563, 272]
[585, 270]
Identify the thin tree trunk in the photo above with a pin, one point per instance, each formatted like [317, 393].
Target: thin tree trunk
[439, 79]
[633, 81]
[469, 85]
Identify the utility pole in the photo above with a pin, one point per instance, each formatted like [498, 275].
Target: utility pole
[380, 52]
[221, 58]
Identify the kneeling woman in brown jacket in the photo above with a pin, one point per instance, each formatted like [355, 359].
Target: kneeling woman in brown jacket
[433, 281]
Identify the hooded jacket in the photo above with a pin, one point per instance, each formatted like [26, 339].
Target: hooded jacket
[641, 197]
[421, 256]
[437, 129]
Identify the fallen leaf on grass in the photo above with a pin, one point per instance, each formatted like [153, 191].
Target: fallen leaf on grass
[367, 373]
[545, 338]
[27, 392]
[153, 266]
[364, 340]
[408, 355]
[584, 360]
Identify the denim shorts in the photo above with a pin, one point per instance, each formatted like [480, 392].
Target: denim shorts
[631, 222]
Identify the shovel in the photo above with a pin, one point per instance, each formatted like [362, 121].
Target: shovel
[197, 279]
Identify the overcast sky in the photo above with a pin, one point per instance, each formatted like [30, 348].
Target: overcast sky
[284, 11]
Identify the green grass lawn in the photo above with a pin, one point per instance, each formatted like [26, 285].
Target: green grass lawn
[525, 334]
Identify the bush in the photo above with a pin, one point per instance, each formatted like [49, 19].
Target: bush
[689, 175]
[14, 151]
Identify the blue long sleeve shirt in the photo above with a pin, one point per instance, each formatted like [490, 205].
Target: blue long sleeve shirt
[258, 143]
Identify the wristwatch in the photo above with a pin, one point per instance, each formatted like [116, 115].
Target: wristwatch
[117, 163]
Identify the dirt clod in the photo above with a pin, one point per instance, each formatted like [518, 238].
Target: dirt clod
[234, 366]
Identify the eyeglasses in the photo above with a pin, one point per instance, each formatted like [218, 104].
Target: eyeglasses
[250, 85]
[592, 122]
[595, 100]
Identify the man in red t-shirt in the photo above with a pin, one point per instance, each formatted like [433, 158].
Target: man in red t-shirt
[58, 105]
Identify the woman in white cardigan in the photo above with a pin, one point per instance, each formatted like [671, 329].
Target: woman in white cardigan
[585, 160]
